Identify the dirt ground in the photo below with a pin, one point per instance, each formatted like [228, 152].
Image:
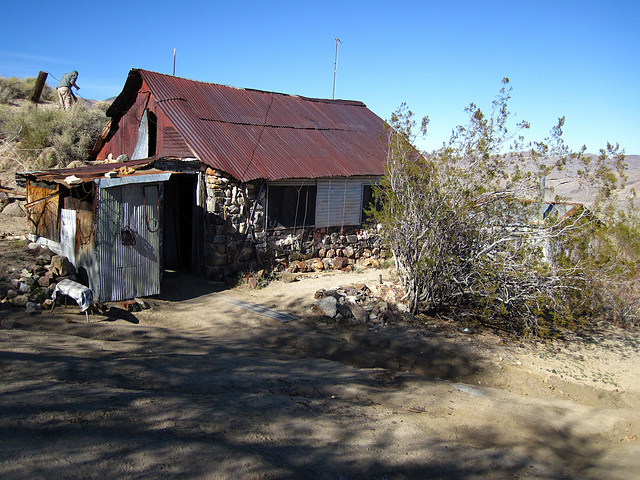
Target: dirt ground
[209, 383]
[206, 385]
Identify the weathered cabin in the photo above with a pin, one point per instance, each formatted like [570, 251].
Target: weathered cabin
[216, 179]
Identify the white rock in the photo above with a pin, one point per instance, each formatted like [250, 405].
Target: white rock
[328, 306]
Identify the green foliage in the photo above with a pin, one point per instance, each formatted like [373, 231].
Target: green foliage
[469, 232]
[604, 257]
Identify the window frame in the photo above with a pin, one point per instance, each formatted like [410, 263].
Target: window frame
[283, 215]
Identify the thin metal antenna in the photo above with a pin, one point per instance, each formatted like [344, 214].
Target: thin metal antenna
[335, 68]
[174, 62]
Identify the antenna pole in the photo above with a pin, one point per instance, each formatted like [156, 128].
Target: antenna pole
[335, 68]
[174, 62]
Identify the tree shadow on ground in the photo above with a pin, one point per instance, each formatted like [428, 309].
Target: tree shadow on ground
[296, 400]
[114, 313]
[153, 403]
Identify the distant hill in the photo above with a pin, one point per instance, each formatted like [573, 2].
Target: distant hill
[565, 183]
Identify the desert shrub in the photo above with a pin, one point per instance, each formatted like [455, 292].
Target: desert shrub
[80, 130]
[5, 119]
[8, 89]
[50, 137]
[606, 271]
[13, 88]
[470, 237]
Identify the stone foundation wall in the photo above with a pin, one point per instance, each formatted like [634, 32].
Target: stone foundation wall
[232, 246]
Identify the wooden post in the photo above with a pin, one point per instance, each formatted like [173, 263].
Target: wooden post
[37, 90]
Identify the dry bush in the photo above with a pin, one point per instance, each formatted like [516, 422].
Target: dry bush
[468, 228]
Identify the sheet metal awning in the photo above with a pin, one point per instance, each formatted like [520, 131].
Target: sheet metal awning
[133, 171]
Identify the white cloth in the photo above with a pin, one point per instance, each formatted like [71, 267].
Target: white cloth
[81, 294]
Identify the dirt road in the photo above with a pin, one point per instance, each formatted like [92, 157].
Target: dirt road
[200, 387]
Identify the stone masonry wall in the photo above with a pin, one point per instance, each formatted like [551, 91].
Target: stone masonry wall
[231, 246]
[227, 248]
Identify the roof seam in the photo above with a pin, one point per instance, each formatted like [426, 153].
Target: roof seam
[323, 129]
[171, 98]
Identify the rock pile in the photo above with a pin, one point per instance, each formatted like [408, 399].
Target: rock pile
[31, 288]
[330, 263]
[375, 304]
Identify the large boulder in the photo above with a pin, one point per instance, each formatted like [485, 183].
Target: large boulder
[61, 266]
[14, 209]
[327, 306]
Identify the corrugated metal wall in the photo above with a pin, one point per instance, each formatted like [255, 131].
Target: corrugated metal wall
[128, 241]
[339, 200]
[68, 220]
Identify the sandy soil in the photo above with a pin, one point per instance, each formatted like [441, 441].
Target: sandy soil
[202, 386]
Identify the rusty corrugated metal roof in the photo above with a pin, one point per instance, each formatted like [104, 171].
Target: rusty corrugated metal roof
[254, 134]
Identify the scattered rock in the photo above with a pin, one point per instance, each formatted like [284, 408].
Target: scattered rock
[340, 262]
[8, 324]
[288, 277]
[358, 313]
[14, 209]
[43, 259]
[327, 306]
[142, 304]
[19, 300]
[359, 303]
[32, 307]
[61, 266]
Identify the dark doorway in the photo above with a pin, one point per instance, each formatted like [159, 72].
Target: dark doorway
[179, 222]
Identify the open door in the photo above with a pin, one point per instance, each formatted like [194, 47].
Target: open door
[180, 218]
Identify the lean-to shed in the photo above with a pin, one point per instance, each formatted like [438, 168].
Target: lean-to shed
[108, 227]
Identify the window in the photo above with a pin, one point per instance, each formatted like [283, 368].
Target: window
[291, 206]
[368, 201]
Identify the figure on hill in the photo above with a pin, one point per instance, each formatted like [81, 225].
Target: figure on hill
[65, 94]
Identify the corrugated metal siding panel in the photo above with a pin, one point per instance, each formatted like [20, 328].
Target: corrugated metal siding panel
[126, 137]
[172, 144]
[127, 271]
[68, 234]
[339, 200]
[252, 134]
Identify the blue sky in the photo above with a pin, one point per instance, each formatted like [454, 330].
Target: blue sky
[578, 59]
